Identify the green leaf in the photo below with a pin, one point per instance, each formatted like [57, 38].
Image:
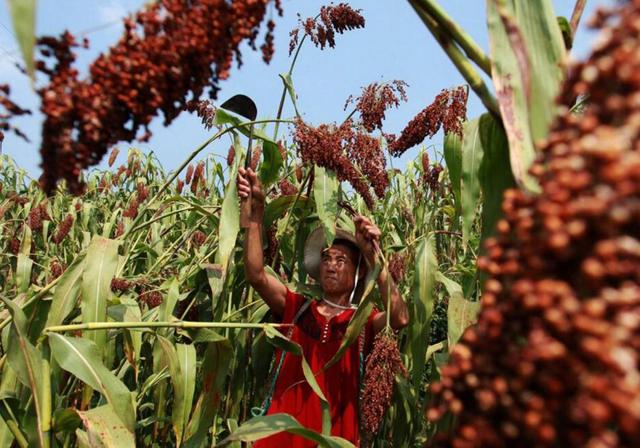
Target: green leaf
[181, 359]
[495, 172]
[288, 83]
[24, 263]
[260, 427]
[453, 159]
[272, 159]
[100, 267]
[471, 160]
[129, 311]
[105, 429]
[215, 365]
[65, 294]
[81, 357]
[325, 193]
[460, 314]
[426, 266]
[278, 340]
[275, 209]
[23, 16]
[528, 63]
[29, 365]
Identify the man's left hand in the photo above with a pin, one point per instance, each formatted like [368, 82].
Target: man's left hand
[366, 234]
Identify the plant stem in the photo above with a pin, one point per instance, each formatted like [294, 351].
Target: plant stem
[90, 326]
[446, 23]
[460, 61]
[578, 9]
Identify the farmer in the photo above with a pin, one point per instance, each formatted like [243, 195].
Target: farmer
[320, 325]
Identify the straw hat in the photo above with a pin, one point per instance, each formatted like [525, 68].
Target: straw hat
[316, 243]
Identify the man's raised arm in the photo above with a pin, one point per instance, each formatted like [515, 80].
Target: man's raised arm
[270, 288]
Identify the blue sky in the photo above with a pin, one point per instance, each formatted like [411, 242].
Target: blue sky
[394, 45]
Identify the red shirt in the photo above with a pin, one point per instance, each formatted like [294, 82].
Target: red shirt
[320, 339]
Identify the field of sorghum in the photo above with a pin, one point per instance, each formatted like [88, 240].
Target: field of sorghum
[125, 316]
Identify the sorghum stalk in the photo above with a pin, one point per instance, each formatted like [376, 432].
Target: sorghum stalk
[460, 61]
[447, 24]
[90, 326]
[576, 15]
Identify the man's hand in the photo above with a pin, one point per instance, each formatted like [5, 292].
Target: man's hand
[248, 183]
[368, 237]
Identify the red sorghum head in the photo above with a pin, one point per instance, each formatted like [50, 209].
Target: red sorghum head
[152, 299]
[374, 101]
[120, 284]
[11, 110]
[169, 51]
[198, 238]
[119, 230]
[397, 266]
[231, 155]
[287, 188]
[198, 177]
[143, 191]
[179, 186]
[448, 111]
[204, 109]
[255, 157]
[267, 48]
[333, 19]
[63, 229]
[113, 156]
[189, 175]
[132, 210]
[56, 270]
[382, 365]
[554, 359]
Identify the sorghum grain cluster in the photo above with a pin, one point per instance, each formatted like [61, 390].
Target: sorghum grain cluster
[374, 101]
[555, 357]
[11, 110]
[63, 229]
[323, 28]
[447, 111]
[355, 156]
[383, 364]
[170, 50]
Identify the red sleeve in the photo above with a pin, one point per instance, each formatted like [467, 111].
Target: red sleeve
[292, 304]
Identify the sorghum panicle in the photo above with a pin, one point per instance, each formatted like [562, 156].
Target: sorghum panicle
[231, 155]
[448, 111]
[170, 50]
[374, 101]
[382, 365]
[113, 156]
[63, 229]
[198, 237]
[204, 109]
[189, 175]
[554, 359]
[11, 110]
[287, 188]
[333, 19]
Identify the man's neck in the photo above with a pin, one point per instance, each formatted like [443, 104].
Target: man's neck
[338, 299]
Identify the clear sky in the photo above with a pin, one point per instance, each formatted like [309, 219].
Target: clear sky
[393, 45]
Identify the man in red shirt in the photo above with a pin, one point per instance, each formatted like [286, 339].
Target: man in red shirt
[320, 325]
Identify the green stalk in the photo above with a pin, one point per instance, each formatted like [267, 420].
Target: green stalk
[12, 423]
[460, 61]
[450, 26]
[90, 326]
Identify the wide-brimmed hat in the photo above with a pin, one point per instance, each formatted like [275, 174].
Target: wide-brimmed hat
[316, 243]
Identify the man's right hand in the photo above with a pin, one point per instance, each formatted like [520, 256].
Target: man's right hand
[248, 183]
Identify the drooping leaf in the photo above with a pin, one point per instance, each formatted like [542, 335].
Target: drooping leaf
[277, 208]
[528, 60]
[260, 427]
[23, 16]
[100, 266]
[325, 193]
[81, 357]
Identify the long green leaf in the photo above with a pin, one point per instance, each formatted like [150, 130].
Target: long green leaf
[215, 366]
[23, 15]
[28, 364]
[81, 357]
[260, 427]
[65, 294]
[471, 160]
[101, 264]
[495, 172]
[325, 193]
[453, 158]
[460, 314]
[105, 429]
[419, 329]
[528, 59]
[24, 264]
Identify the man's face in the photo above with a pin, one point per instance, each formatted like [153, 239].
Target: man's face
[338, 269]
